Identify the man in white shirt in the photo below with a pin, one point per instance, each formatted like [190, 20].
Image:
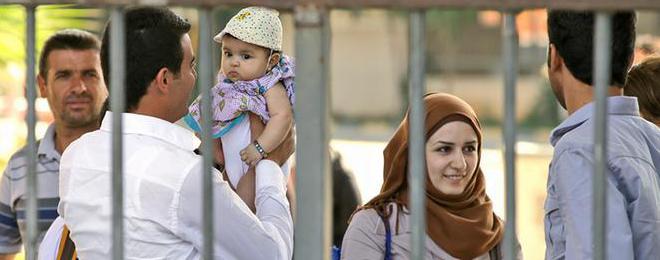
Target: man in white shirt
[162, 174]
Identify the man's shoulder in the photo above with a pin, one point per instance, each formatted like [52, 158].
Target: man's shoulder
[628, 137]
[577, 140]
[18, 161]
[164, 163]
[96, 139]
[623, 131]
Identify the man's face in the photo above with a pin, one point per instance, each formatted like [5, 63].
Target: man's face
[184, 82]
[74, 87]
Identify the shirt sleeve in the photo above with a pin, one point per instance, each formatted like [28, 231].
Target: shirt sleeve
[10, 236]
[574, 183]
[361, 240]
[238, 233]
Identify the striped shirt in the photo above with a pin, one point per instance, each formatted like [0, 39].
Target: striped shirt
[13, 188]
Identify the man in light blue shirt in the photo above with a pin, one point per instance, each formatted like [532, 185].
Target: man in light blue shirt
[633, 155]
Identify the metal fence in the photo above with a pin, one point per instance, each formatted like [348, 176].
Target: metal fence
[312, 230]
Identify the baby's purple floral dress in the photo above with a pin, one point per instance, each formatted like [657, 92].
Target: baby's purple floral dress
[230, 100]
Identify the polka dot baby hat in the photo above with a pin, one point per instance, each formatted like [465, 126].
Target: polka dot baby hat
[257, 25]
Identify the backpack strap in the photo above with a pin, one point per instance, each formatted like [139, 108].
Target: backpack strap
[388, 238]
[66, 249]
[336, 253]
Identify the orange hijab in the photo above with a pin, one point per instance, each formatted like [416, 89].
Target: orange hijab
[463, 225]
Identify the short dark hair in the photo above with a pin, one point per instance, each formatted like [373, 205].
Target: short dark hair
[67, 39]
[153, 42]
[644, 83]
[572, 34]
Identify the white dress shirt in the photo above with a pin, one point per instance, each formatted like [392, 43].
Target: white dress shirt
[163, 198]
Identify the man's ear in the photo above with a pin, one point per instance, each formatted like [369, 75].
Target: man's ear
[555, 61]
[42, 86]
[163, 80]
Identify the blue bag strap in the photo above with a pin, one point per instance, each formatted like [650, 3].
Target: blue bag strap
[336, 253]
[388, 238]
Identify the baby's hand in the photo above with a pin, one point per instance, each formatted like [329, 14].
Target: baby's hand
[250, 155]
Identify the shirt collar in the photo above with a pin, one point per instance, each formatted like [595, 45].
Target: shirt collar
[47, 144]
[616, 105]
[153, 127]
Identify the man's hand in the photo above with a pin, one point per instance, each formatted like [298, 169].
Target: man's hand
[282, 153]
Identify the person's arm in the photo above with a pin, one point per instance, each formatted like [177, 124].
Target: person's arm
[245, 188]
[281, 119]
[10, 237]
[574, 183]
[239, 234]
[361, 240]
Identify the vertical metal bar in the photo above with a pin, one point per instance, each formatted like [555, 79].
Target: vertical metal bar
[215, 51]
[417, 168]
[510, 58]
[206, 80]
[117, 104]
[31, 207]
[602, 59]
[312, 117]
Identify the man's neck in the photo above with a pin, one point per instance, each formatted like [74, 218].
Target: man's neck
[152, 106]
[582, 94]
[66, 135]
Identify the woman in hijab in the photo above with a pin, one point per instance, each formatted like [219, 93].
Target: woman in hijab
[459, 215]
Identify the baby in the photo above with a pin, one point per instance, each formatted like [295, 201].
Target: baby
[254, 77]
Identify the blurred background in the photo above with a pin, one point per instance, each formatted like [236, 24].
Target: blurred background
[368, 66]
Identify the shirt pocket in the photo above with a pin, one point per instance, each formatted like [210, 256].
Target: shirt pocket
[554, 230]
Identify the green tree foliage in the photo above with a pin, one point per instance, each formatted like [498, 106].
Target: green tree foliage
[49, 19]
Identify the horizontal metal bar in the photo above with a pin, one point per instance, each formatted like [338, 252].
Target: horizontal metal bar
[415, 4]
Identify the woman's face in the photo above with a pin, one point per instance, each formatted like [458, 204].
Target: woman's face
[451, 157]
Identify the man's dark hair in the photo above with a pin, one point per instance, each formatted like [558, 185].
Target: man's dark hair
[153, 42]
[68, 39]
[572, 34]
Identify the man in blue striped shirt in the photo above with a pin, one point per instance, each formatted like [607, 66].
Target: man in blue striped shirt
[633, 148]
[70, 78]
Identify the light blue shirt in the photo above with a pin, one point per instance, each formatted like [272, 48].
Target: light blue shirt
[633, 186]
